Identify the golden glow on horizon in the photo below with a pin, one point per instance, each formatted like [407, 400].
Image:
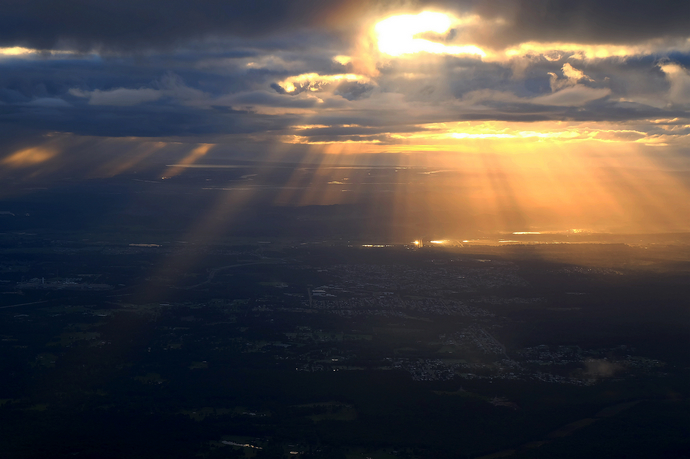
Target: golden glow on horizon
[567, 185]
[561, 185]
[505, 175]
[498, 136]
[297, 139]
[396, 35]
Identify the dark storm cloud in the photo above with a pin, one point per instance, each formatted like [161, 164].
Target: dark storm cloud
[129, 25]
[582, 21]
[591, 21]
[133, 25]
[129, 112]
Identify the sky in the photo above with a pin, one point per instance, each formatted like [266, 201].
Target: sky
[558, 93]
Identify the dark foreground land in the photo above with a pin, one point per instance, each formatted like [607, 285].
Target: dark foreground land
[138, 321]
[328, 350]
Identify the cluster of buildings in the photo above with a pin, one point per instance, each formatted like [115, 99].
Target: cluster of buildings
[426, 369]
[431, 280]
[40, 283]
[390, 305]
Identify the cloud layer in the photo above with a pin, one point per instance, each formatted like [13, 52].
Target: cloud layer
[313, 73]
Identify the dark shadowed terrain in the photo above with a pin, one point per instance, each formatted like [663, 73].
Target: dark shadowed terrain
[209, 316]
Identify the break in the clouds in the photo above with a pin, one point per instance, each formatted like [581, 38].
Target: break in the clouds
[385, 76]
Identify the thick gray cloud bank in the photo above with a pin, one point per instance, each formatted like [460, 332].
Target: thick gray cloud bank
[311, 72]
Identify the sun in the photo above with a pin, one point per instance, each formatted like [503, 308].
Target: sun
[396, 35]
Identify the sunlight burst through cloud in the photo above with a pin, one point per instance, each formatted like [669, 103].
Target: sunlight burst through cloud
[397, 35]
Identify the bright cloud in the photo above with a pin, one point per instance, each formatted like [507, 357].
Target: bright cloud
[583, 51]
[314, 82]
[20, 51]
[679, 79]
[572, 77]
